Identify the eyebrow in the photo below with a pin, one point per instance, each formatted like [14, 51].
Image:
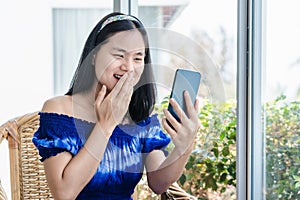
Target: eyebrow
[119, 49]
[139, 53]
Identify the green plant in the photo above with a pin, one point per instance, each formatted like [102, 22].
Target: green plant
[212, 164]
[282, 124]
[211, 169]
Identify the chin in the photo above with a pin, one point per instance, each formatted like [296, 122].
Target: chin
[109, 89]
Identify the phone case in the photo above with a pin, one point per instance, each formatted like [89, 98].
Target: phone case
[184, 80]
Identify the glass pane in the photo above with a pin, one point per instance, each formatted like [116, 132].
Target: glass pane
[282, 99]
[200, 35]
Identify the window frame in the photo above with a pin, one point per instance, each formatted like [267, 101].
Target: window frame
[250, 134]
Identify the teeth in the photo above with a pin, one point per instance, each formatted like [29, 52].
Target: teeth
[117, 76]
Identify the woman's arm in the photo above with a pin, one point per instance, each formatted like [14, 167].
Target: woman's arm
[67, 175]
[161, 171]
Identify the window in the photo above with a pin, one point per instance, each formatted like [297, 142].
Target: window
[268, 95]
[281, 100]
[211, 39]
[270, 90]
[200, 35]
[71, 27]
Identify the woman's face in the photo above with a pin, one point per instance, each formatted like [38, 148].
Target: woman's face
[124, 52]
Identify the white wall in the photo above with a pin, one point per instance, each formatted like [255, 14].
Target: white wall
[26, 78]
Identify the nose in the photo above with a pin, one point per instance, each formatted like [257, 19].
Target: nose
[128, 65]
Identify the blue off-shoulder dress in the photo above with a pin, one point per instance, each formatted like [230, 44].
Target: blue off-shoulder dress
[122, 165]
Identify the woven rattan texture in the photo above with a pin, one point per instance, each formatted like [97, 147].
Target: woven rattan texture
[2, 193]
[32, 175]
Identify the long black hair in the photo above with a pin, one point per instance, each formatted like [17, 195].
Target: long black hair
[144, 95]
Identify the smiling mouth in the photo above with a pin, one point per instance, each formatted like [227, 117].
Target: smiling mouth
[118, 76]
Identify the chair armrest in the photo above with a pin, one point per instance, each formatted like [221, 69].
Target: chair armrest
[2, 193]
[10, 132]
[10, 128]
[3, 132]
[176, 192]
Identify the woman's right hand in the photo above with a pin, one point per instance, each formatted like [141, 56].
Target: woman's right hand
[111, 109]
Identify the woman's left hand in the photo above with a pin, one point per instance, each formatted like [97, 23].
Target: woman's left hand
[183, 133]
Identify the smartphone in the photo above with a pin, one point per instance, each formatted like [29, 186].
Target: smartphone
[184, 80]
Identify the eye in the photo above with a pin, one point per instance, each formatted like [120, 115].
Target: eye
[118, 55]
[139, 59]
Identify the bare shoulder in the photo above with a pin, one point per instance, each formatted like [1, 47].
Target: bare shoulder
[58, 104]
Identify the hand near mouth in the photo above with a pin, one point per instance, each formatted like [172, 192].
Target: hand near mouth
[111, 109]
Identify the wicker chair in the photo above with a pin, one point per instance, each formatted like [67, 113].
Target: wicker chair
[27, 176]
[2, 193]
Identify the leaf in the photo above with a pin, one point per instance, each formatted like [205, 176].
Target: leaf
[223, 177]
[296, 178]
[225, 151]
[223, 189]
[182, 179]
[216, 152]
[189, 165]
[210, 182]
[222, 135]
[208, 166]
[220, 167]
[232, 136]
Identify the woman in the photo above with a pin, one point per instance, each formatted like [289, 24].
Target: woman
[97, 138]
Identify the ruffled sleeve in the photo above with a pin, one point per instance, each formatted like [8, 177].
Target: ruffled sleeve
[56, 134]
[154, 138]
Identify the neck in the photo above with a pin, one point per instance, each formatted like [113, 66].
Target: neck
[83, 103]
